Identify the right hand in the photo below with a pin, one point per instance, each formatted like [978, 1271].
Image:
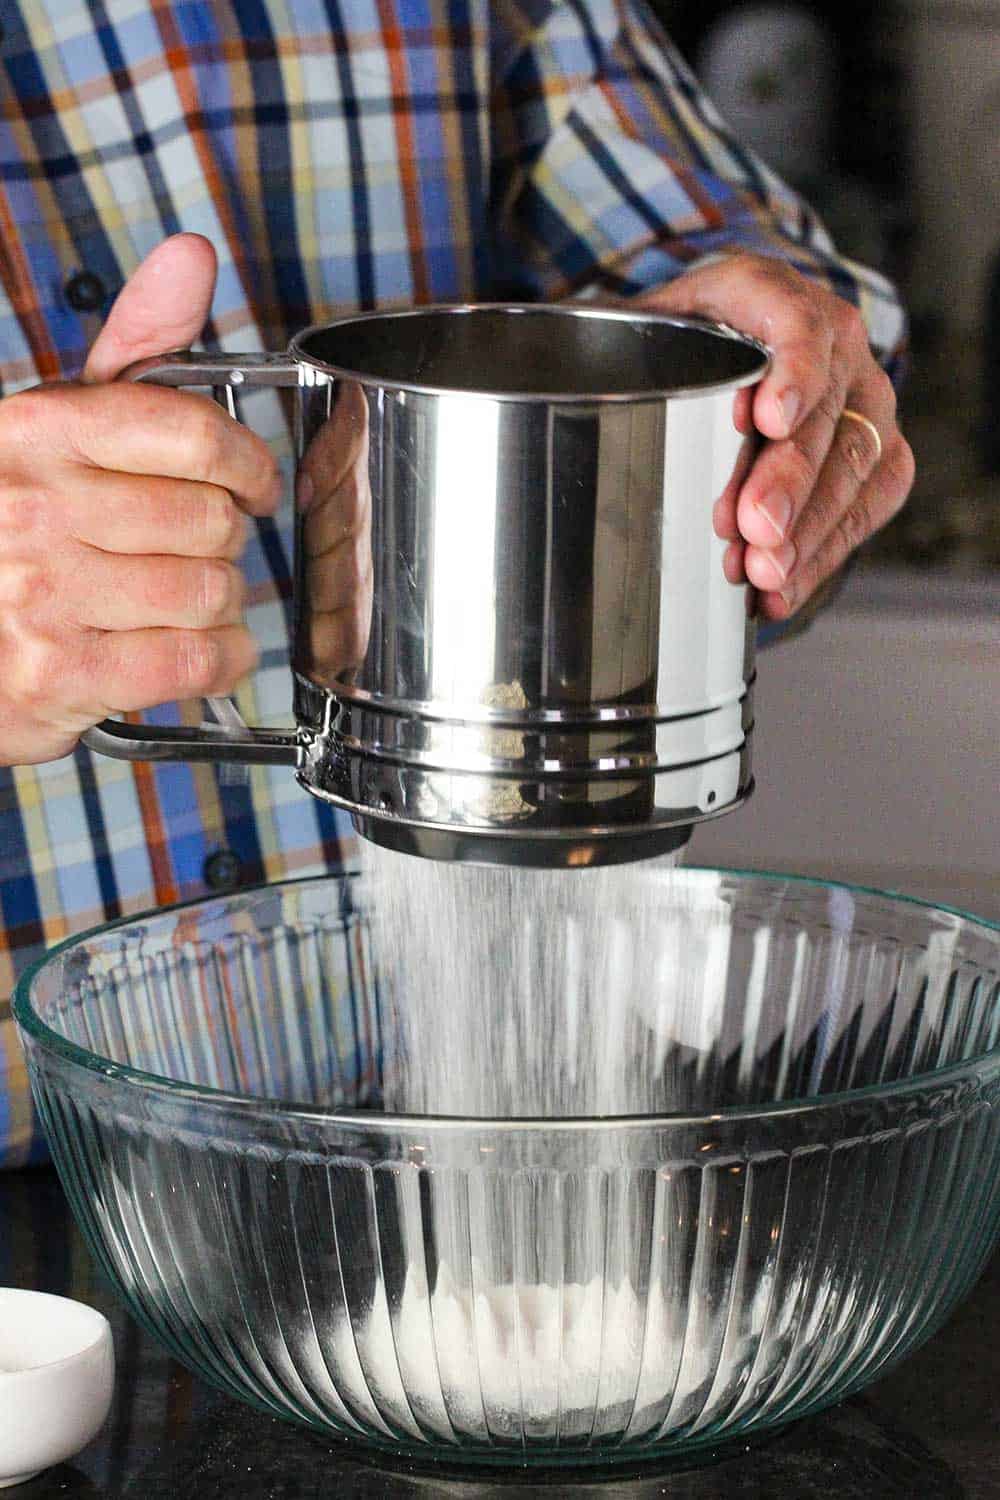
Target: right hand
[122, 512]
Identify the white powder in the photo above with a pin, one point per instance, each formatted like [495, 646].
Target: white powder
[497, 1358]
[532, 993]
[522, 992]
[581, 1360]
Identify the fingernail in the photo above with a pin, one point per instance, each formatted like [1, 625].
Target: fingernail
[791, 404]
[788, 597]
[303, 492]
[782, 559]
[776, 509]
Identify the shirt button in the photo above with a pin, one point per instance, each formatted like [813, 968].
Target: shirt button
[221, 869]
[85, 292]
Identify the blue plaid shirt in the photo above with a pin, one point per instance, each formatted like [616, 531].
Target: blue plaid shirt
[339, 154]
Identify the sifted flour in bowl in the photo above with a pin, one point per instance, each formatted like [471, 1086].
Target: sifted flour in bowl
[580, 1360]
[513, 992]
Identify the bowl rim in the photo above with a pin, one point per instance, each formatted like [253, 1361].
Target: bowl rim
[41, 1302]
[585, 311]
[377, 1123]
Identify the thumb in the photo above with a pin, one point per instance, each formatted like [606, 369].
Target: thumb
[163, 306]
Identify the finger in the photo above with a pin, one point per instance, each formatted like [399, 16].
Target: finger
[130, 670]
[164, 305]
[774, 303]
[146, 429]
[733, 564]
[151, 516]
[724, 517]
[786, 473]
[854, 454]
[724, 510]
[876, 504]
[116, 593]
[848, 464]
[743, 411]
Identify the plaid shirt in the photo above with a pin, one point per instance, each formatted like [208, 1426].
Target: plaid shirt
[339, 154]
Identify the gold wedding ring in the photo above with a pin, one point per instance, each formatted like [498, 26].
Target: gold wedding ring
[856, 416]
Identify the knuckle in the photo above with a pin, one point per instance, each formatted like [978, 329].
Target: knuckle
[853, 527]
[808, 578]
[830, 405]
[211, 438]
[857, 449]
[218, 585]
[23, 584]
[220, 527]
[148, 402]
[34, 668]
[811, 315]
[201, 430]
[28, 512]
[270, 467]
[197, 661]
[772, 268]
[800, 465]
[779, 278]
[28, 416]
[750, 264]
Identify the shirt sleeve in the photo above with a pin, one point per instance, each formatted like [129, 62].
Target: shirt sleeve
[613, 171]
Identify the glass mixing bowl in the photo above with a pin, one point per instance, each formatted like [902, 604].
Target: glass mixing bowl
[556, 1290]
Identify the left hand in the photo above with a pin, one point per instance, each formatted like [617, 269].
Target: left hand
[819, 487]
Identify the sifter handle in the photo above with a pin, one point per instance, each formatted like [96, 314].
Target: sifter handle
[231, 740]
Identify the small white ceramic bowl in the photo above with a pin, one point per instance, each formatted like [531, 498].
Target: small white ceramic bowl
[57, 1371]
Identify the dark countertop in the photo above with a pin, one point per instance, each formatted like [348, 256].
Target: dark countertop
[928, 1431]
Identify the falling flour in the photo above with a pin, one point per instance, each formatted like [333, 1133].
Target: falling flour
[513, 992]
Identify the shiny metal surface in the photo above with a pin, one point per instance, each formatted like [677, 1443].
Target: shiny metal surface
[513, 636]
[259, 747]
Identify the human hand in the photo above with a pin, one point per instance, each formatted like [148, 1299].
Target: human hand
[820, 486]
[122, 511]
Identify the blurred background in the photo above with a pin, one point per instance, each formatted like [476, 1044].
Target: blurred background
[878, 731]
[887, 117]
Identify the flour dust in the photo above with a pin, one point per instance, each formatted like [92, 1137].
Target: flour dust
[514, 992]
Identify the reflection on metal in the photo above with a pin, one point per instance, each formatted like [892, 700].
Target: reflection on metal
[513, 637]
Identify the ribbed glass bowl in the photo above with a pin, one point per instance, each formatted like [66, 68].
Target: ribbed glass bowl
[559, 1290]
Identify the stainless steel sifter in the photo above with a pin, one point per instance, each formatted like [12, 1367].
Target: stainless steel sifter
[513, 638]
